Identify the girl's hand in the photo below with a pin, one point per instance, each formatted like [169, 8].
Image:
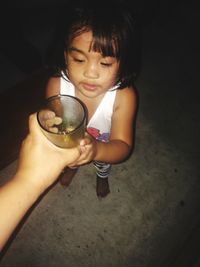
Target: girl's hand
[88, 148]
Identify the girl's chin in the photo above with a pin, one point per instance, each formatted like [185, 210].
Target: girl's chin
[89, 94]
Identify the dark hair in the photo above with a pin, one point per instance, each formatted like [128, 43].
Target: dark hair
[113, 35]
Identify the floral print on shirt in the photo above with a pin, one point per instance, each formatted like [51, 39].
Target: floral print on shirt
[104, 137]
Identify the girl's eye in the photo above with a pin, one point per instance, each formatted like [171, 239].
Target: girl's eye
[78, 60]
[106, 64]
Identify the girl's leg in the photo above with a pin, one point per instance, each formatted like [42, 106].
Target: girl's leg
[67, 175]
[102, 172]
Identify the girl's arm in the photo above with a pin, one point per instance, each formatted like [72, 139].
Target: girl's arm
[121, 138]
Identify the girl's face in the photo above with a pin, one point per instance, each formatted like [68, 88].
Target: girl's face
[90, 72]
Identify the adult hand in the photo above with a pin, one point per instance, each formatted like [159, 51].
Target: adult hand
[41, 160]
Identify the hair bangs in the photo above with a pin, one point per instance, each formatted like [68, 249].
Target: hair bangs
[106, 45]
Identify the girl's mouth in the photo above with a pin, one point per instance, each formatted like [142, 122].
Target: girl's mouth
[89, 87]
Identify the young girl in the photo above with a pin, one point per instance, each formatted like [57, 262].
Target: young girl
[98, 68]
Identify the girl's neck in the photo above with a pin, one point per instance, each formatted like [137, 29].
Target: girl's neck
[87, 100]
[91, 103]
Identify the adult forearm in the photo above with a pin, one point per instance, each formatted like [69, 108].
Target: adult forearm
[16, 197]
[112, 152]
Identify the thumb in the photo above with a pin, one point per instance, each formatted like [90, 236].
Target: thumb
[86, 140]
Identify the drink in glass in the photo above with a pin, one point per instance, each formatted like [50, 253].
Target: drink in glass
[63, 120]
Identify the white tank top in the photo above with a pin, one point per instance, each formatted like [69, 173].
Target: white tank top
[100, 124]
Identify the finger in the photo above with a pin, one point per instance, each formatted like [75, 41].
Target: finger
[34, 128]
[46, 114]
[82, 149]
[82, 160]
[86, 141]
[53, 129]
[48, 123]
[33, 124]
[57, 120]
[70, 155]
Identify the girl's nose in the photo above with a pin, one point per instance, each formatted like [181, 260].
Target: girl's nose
[91, 71]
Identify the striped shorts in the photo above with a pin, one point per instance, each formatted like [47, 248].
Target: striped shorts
[102, 169]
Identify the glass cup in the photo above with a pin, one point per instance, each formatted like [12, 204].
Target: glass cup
[63, 120]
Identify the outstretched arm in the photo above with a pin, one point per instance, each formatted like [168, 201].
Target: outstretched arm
[39, 165]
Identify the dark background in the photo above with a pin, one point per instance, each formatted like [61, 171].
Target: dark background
[27, 28]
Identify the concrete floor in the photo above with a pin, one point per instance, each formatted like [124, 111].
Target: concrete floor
[151, 216]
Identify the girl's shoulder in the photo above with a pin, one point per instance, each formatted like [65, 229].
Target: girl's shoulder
[53, 86]
[125, 96]
[126, 101]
